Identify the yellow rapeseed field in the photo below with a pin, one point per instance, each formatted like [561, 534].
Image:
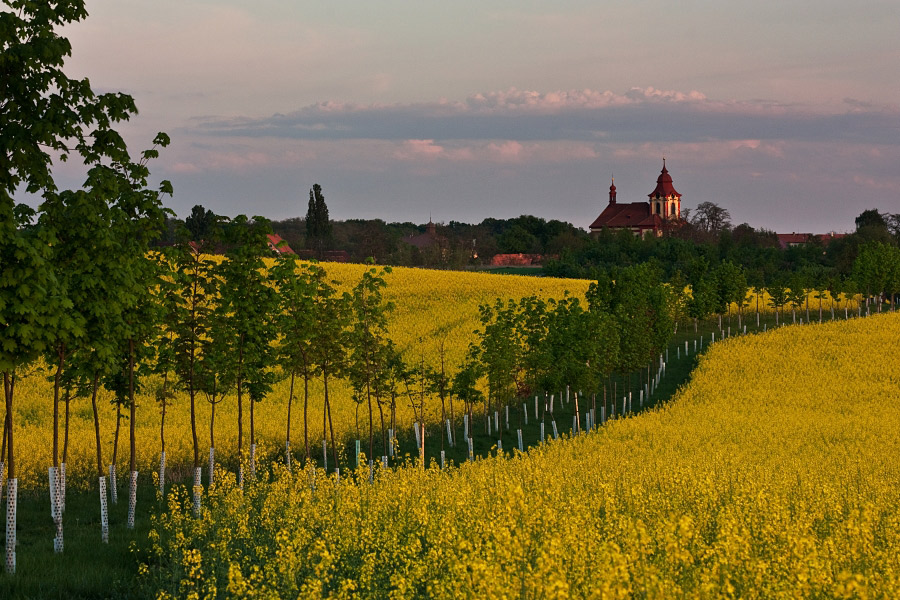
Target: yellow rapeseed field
[773, 474]
[430, 307]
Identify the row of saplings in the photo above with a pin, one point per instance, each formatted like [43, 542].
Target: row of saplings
[234, 326]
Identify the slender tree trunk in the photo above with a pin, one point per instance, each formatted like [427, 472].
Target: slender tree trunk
[104, 523]
[162, 421]
[60, 353]
[306, 412]
[12, 482]
[330, 424]
[371, 421]
[94, 386]
[115, 453]
[240, 440]
[287, 438]
[212, 423]
[240, 399]
[383, 431]
[54, 472]
[65, 454]
[132, 487]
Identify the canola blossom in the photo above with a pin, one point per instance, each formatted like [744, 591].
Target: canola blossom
[432, 307]
[773, 473]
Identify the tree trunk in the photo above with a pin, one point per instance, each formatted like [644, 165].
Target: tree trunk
[287, 438]
[330, 424]
[240, 399]
[104, 524]
[132, 489]
[306, 413]
[60, 353]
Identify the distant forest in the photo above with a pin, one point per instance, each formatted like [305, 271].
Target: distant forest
[697, 245]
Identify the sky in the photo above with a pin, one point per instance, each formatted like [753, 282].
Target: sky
[785, 113]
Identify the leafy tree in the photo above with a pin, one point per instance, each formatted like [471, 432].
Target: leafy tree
[368, 342]
[499, 350]
[202, 223]
[711, 218]
[329, 345]
[296, 284]
[250, 303]
[778, 296]
[189, 319]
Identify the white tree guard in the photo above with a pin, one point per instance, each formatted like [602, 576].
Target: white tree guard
[391, 443]
[535, 407]
[466, 426]
[252, 461]
[104, 512]
[499, 446]
[521, 447]
[337, 475]
[198, 489]
[496, 420]
[12, 491]
[132, 498]
[574, 424]
[212, 466]
[287, 454]
[443, 459]
[507, 417]
[113, 485]
[62, 486]
[371, 471]
[56, 509]
[449, 434]
[551, 403]
[51, 476]
[325, 455]
[384, 462]
[162, 474]
[525, 411]
[416, 432]
[555, 432]
[542, 433]
[489, 425]
[602, 415]
[471, 451]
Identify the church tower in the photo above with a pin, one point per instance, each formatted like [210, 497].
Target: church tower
[664, 200]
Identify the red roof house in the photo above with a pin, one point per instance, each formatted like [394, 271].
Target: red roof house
[786, 240]
[277, 244]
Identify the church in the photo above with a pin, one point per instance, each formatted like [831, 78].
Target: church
[662, 209]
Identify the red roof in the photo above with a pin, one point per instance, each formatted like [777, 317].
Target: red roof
[275, 240]
[516, 260]
[664, 187]
[792, 239]
[627, 215]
